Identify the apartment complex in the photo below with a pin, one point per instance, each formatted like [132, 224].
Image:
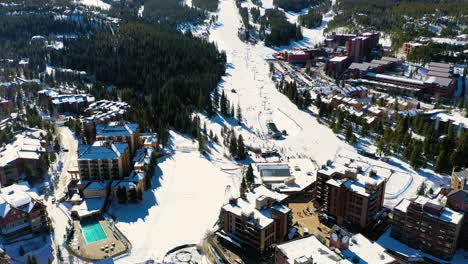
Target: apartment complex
[21, 212]
[14, 156]
[103, 160]
[359, 48]
[119, 132]
[349, 194]
[426, 225]
[458, 201]
[257, 219]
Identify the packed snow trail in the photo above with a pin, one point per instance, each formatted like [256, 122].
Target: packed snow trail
[257, 95]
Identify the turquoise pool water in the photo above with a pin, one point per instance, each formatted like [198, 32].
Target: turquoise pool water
[92, 230]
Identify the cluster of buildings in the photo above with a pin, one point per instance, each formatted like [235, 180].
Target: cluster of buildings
[411, 46]
[27, 149]
[104, 111]
[435, 81]
[349, 48]
[64, 103]
[350, 194]
[119, 157]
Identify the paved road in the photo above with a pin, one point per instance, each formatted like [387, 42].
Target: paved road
[69, 160]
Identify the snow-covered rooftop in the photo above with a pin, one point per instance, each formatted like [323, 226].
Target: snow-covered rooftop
[17, 196]
[455, 117]
[22, 148]
[366, 251]
[292, 176]
[309, 248]
[446, 214]
[101, 150]
[248, 206]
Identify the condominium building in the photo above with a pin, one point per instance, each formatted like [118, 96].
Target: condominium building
[257, 219]
[14, 157]
[350, 194]
[458, 201]
[21, 211]
[120, 132]
[424, 224]
[103, 160]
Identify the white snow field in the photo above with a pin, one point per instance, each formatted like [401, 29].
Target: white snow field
[182, 205]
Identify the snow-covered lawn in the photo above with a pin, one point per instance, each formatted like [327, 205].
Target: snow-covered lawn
[182, 205]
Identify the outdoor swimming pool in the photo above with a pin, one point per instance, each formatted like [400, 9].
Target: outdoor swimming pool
[92, 230]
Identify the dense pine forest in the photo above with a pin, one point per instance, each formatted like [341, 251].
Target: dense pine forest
[209, 5]
[312, 19]
[172, 12]
[295, 5]
[281, 30]
[164, 74]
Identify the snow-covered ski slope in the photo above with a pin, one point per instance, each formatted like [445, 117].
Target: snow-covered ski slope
[189, 189]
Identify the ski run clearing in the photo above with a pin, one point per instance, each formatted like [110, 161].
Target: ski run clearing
[189, 189]
[95, 3]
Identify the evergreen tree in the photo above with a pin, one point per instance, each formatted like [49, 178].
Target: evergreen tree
[232, 113]
[364, 129]
[416, 156]
[249, 175]
[243, 186]
[233, 146]
[422, 189]
[443, 162]
[224, 104]
[239, 114]
[241, 148]
[349, 131]
[209, 109]
[215, 100]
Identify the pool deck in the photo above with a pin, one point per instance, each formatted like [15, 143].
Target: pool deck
[93, 250]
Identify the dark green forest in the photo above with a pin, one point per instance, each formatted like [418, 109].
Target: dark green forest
[312, 19]
[281, 30]
[172, 12]
[295, 5]
[209, 5]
